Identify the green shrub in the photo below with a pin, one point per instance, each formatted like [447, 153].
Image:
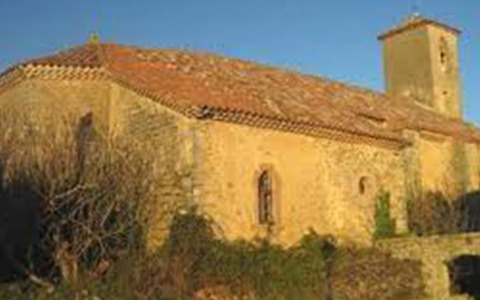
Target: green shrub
[260, 268]
[195, 260]
[384, 224]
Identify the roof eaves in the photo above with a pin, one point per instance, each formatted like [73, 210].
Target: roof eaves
[463, 137]
[88, 55]
[299, 127]
[417, 24]
[18, 73]
[49, 72]
[11, 77]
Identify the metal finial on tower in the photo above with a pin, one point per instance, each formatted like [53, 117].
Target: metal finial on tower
[93, 38]
[414, 14]
[415, 8]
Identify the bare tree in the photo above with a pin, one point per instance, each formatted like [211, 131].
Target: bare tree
[437, 212]
[91, 193]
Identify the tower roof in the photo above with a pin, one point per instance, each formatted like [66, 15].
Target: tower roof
[415, 21]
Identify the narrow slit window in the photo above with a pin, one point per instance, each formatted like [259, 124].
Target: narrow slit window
[443, 54]
[265, 199]
[443, 57]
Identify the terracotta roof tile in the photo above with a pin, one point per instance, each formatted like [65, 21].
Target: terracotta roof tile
[80, 56]
[189, 79]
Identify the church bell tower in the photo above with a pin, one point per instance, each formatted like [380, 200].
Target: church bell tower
[421, 62]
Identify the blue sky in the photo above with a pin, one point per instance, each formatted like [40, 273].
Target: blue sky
[331, 38]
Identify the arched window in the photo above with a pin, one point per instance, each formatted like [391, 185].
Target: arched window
[265, 199]
[366, 186]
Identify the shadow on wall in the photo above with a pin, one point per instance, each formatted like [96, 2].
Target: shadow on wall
[464, 273]
[19, 227]
[435, 213]
[46, 209]
[469, 205]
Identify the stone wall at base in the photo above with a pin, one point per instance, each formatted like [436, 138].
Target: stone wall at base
[434, 252]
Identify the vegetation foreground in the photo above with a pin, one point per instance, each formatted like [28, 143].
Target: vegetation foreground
[195, 264]
[72, 227]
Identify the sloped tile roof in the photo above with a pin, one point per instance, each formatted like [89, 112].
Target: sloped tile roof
[82, 56]
[202, 80]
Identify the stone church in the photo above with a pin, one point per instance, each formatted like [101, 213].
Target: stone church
[271, 151]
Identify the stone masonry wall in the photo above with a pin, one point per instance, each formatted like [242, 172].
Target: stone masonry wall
[117, 113]
[60, 100]
[472, 155]
[435, 252]
[216, 164]
[166, 136]
[436, 163]
[315, 182]
[446, 165]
